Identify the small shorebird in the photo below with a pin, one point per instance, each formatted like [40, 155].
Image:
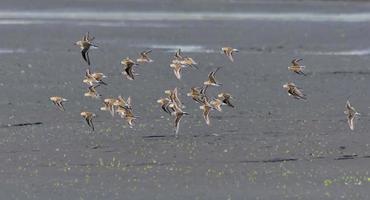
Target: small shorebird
[351, 114]
[96, 77]
[296, 68]
[178, 55]
[58, 101]
[198, 94]
[294, 91]
[92, 92]
[179, 113]
[85, 44]
[127, 115]
[88, 116]
[166, 105]
[99, 77]
[109, 105]
[128, 69]
[188, 61]
[211, 78]
[130, 117]
[121, 102]
[216, 104]
[144, 58]
[225, 98]
[228, 51]
[184, 60]
[174, 97]
[206, 107]
[177, 69]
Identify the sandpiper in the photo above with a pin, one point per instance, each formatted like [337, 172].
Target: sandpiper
[174, 97]
[225, 98]
[177, 69]
[128, 69]
[85, 44]
[179, 113]
[109, 105]
[294, 91]
[58, 101]
[228, 51]
[144, 58]
[351, 114]
[88, 116]
[216, 104]
[96, 77]
[127, 115]
[198, 94]
[206, 107]
[166, 105]
[296, 68]
[92, 92]
[121, 102]
[211, 78]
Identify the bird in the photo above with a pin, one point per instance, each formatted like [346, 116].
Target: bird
[99, 77]
[127, 114]
[228, 51]
[294, 91]
[206, 107]
[144, 58]
[178, 113]
[174, 97]
[198, 94]
[351, 114]
[109, 105]
[96, 77]
[92, 92]
[216, 104]
[88, 116]
[85, 44]
[58, 101]
[121, 102]
[166, 105]
[211, 78]
[225, 98]
[178, 55]
[177, 69]
[296, 68]
[188, 61]
[128, 69]
[184, 60]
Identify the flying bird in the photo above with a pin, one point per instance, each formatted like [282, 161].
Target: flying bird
[228, 51]
[177, 69]
[92, 92]
[212, 79]
[351, 114]
[109, 105]
[206, 107]
[88, 116]
[225, 98]
[96, 77]
[294, 91]
[166, 105]
[128, 69]
[58, 101]
[144, 57]
[85, 44]
[296, 68]
[198, 94]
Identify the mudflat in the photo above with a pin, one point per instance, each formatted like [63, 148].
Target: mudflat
[270, 146]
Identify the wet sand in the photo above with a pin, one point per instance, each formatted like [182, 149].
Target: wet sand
[270, 146]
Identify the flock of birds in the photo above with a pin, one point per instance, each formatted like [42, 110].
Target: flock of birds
[171, 103]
